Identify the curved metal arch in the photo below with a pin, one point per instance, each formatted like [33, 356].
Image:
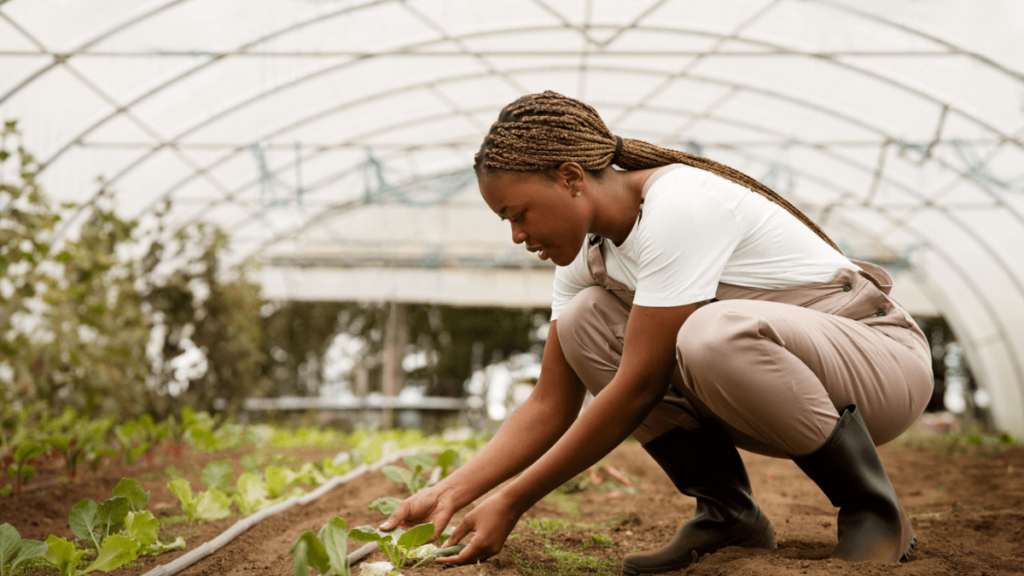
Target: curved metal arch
[383, 94]
[865, 125]
[61, 59]
[332, 69]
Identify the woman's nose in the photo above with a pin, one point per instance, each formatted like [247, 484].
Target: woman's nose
[518, 236]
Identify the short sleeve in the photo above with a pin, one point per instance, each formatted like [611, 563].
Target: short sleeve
[686, 237]
[569, 281]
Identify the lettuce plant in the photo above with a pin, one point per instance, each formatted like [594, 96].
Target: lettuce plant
[218, 474]
[210, 505]
[251, 493]
[115, 552]
[327, 551]
[396, 544]
[15, 550]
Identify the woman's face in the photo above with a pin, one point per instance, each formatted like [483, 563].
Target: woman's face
[546, 216]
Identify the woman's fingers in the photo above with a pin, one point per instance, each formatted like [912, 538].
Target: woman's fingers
[458, 534]
[397, 517]
[440, 523]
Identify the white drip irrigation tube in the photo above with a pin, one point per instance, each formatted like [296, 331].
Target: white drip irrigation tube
[208, 548]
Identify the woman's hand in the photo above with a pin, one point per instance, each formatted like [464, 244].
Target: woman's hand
[492, 521]
[429, 505]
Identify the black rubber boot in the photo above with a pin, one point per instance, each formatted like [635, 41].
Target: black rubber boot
[872, 526]
[704, 463]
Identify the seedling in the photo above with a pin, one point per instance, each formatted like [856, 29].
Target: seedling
[15, 550]
[441, 553]
[218, 474]
[250, 493]
[20, 470]
[396, 544]
[325, 552]
[116, 552]
[210, 505]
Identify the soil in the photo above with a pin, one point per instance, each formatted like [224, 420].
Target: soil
[967, 512]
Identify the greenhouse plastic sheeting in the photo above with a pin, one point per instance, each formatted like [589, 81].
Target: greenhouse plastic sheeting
[335, 137]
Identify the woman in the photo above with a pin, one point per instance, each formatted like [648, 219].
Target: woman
[704, 312]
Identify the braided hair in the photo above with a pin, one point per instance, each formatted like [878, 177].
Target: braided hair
[540, 132]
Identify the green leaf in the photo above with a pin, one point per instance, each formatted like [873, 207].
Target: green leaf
[250, 493]
[424, 461]
[159, 547]
[386, 505]
[112, 513]
[249, 462]
[278, 479]
[446, 460]
[132, 490]
[142, 527]
[26, 473]
[181, 488]
[309, 547]
[134, 453]
[63, 555]
[397, 473]
[416, 536]
[212, 505]
[29, 549]
[299, 551]
[218, 474]
[116, 552]
[28, 451]
[334, 537]
[369, 534]
[61, 443]
[10, 541]
[85, 521]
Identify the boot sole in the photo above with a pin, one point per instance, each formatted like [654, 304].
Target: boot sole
[767, 542]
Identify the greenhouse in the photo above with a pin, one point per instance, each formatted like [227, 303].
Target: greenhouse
[258, 230]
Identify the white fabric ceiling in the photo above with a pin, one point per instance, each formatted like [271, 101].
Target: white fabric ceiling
[337, 134]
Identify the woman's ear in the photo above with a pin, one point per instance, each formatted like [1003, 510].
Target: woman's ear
[571, 176]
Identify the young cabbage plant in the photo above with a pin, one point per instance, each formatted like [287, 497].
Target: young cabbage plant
[210, 505]
[143, 529]
[396, 544]
[410, 478]
[436, 553]
[96, 522]
[15, 550]
[447, 460]
[20, 470]
[279, 479]
[323, 552]
[116, 552]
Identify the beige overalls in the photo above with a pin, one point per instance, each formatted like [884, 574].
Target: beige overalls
[774, 367]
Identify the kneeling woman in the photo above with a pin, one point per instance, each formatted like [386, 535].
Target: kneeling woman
[705, 313]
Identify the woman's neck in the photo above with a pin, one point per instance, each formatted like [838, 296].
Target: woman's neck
[616, 200]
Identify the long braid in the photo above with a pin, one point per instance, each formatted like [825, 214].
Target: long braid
[539, 132]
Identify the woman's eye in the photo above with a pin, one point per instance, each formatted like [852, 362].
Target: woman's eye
[519, 218]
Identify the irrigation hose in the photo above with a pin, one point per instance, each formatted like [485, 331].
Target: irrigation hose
[208, 548]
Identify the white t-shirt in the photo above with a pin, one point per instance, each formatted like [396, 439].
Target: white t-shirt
[699, 229]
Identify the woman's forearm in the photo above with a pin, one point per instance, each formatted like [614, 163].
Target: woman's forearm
[529, 432]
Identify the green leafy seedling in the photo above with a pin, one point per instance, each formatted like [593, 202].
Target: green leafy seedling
[386, 505]
[327, 551]
[446, 460]
[210, 505]
[20, 470]
[15, 550]
[218, 474]
[250, 493]
[411, 478]
[132, 491]
[116, 552]
[396, 544]
[278, 480]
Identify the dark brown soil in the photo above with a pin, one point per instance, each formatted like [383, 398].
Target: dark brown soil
[968, 513]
